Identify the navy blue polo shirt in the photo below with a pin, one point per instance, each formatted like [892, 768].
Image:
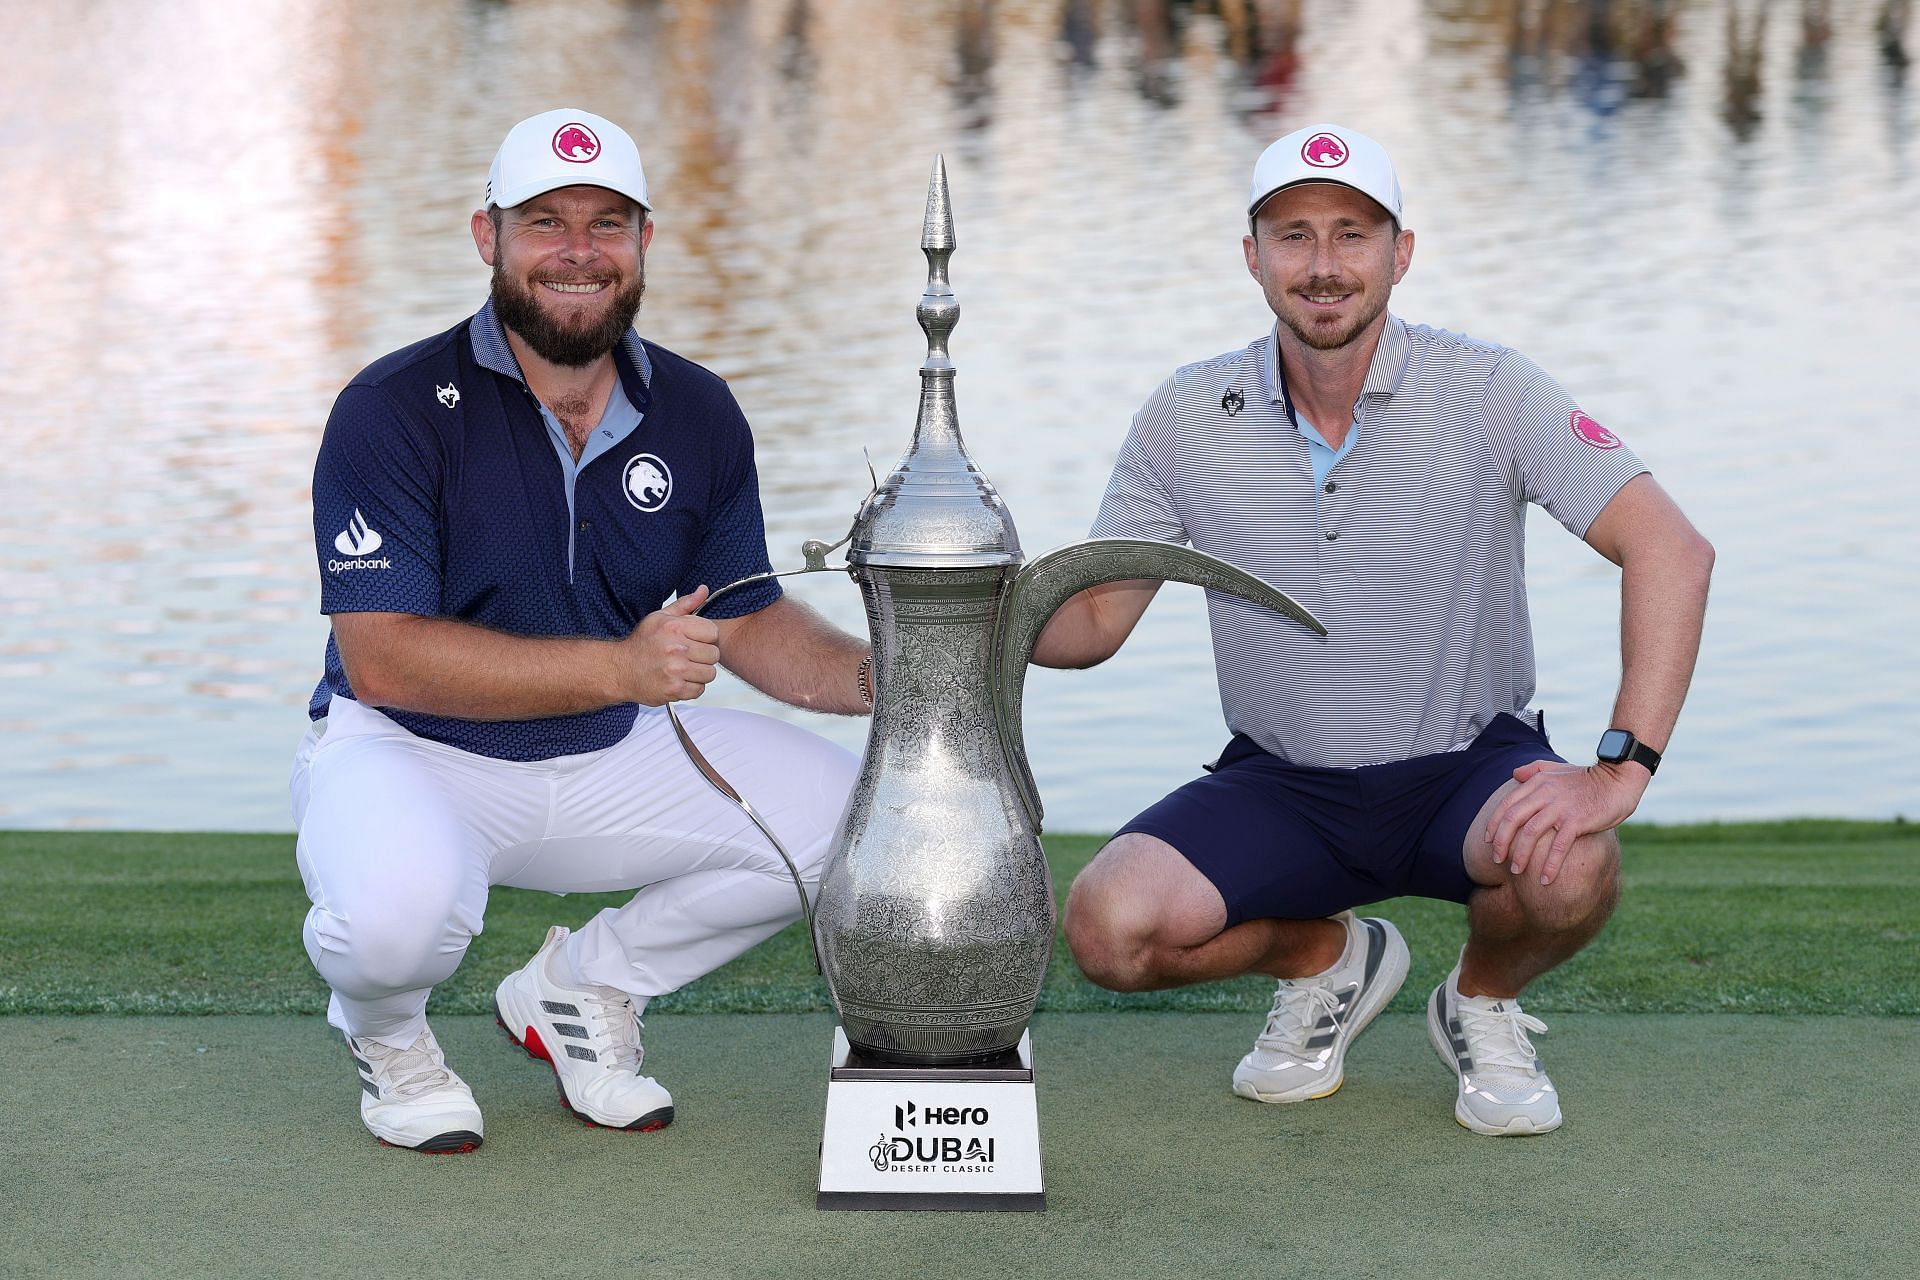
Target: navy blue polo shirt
[440, 491]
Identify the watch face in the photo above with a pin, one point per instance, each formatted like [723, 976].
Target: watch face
[1614, 744]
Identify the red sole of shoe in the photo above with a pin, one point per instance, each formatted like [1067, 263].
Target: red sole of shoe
[652, 1122]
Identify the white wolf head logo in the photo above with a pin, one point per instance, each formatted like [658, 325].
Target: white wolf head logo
[449, 394]
[649, 482]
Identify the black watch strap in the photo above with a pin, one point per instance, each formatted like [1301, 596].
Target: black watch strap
[1617, 745]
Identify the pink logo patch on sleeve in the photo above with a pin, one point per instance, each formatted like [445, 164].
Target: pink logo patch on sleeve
[1593, 433]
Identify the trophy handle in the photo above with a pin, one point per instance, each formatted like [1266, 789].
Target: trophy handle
[815, 553]
[1056, 577]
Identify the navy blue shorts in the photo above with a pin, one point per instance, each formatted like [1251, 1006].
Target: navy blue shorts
[1294, 842]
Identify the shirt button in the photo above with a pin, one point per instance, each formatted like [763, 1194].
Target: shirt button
[1331, 486]
[585, 525]
[1332, 534]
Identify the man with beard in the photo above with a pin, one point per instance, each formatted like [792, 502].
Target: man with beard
[501, 512]
[1379, 473]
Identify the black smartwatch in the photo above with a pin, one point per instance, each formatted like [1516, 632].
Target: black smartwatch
[1617, 745]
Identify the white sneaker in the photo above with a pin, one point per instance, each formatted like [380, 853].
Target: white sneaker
[1302, 1052]
[1503, 1088]
[410, 1097]
[589, 1035]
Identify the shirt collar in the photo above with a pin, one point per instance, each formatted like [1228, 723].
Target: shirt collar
[1389, 361]
[1384, 371]
[491, 351]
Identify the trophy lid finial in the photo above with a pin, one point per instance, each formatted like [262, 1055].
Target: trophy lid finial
[938, 311]
[937, 233]
[936, 509]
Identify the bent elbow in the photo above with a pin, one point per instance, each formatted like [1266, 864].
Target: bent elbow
[370, 655]
[1702, 555]
[1071, 657]
[369, 683]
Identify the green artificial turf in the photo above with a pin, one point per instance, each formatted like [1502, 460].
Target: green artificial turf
[1785, 917]
[1695, 1148]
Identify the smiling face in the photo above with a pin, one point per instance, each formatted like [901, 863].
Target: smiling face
[569, 270]
[1327, 259]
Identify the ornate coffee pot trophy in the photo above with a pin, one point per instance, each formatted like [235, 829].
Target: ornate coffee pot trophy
[934, 922]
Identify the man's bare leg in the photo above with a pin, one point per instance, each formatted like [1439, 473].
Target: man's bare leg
[1141, 918]
[1519, 928]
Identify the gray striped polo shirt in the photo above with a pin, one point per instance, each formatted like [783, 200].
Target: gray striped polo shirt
[1413, 552]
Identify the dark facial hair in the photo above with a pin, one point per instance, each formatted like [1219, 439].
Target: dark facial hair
[572, 346]
[1333, 340]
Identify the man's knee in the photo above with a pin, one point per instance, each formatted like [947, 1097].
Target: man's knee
[1583, 894]
[402, 945]
[1104, 935]
[1130, 903]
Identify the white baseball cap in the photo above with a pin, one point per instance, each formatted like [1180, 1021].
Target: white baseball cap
[565, 148]
[1326, 153]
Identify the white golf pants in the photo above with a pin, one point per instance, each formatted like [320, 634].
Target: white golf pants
[401, 838]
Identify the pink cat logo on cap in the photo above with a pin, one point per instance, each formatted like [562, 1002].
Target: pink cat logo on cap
[575, 143]
[1592, 432]
[1324, 151]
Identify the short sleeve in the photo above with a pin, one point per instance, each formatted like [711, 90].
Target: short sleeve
[733, 544]
[376, 488]
[1563, 460]
[1136, 504]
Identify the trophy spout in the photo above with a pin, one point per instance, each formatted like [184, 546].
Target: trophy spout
[1056, 577]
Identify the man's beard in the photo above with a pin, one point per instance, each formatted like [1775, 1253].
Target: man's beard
[1321, 337]
[573, 346]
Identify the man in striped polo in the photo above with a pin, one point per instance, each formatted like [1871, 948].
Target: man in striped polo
[1378, 472]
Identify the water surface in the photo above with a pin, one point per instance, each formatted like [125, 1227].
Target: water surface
[1697, 215]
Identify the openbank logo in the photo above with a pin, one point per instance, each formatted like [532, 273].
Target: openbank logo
[358, 540]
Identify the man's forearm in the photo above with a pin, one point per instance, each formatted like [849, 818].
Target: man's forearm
[789, 652]
[1092, 625]
[445, 667]
[1664, 568]
[1663, 605]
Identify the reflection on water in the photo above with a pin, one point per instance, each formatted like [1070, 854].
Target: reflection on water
[1691, 212]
